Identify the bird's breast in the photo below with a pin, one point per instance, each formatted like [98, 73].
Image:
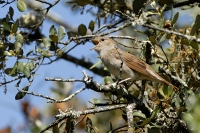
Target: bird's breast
[114, 66]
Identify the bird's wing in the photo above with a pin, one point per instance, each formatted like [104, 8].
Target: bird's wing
[136, 64]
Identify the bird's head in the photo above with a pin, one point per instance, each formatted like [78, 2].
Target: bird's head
[103, 43]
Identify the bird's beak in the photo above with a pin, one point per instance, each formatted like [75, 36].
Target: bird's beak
[96, 42]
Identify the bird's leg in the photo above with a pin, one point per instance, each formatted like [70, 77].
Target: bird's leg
[142, 90]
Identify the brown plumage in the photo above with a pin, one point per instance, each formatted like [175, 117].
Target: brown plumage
[132, 68]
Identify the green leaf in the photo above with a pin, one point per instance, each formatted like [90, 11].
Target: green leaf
[18, 46]
[20, 95]
[70, 125]
[21, 67]
[107, 80]
[60, 52]
[55, 129]
[21, 6]
[196, 25]
[169, 90]
[16, 25]
[146, 121]
[161, 92]
[89, 127]
[44, 53]
[193, 44]
[61, 33]
[88, 121]
[175, 18]
[172, 12]
[91, 25]
[26, 71]
[153, 40]
[24, 68]
[11, 11]
[14, 70]
[6, 26]
[165, 90]
[163, 38]
[139, 114]
[96, 64]
[155, 111]
[19, 38]
[47, 43]
[8, 72]
[96, 101]
[31, 65]
[82, 30]
[53, 35]
[134, 91]
[9, 53]
[72, 34]
[7, 18]
[52, 30]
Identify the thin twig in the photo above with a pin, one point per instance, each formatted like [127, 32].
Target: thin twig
[67, 98]
[80, 120]
[36, 94]
[19, 77]
[63, 80]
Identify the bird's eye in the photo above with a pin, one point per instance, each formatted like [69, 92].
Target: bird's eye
[102, 39]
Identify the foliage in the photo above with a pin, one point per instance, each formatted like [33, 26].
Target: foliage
[158, 108]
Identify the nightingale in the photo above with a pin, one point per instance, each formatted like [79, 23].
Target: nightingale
[132, 68]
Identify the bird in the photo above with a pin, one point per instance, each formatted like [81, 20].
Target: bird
[115, 60]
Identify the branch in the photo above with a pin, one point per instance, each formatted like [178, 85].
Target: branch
[67, 98]
[7, 3]
[76, 114]
[115, 88]
[129, 113]
[36, 94]
[19, 77]
[191, 38]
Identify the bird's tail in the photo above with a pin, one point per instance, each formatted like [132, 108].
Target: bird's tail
[166, 82]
